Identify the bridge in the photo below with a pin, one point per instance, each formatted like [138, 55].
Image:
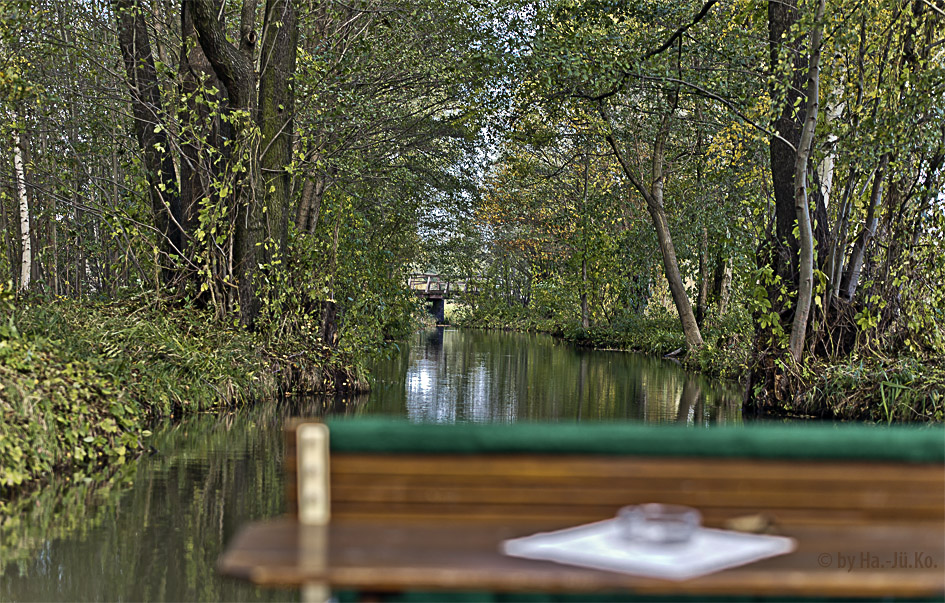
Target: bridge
[430, 287]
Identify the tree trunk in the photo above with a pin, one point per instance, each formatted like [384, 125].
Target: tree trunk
[673, 277]
[725, 287]
[654, 204]
[310, 204]
[34, 210]
[26, 256]
[851, 277]
[8, 240]
[54, 239]
[201, 129]
[825, 171]
[234, 68]
[585, 318]
[276, 114]
[702, 300]
[802, 205]
[260, 183]
[149, 125]
[330, 310]
[781, 16]
[838, 242]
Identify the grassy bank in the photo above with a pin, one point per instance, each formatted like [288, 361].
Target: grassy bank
[878, 389]
[81, 382]
[873, 388]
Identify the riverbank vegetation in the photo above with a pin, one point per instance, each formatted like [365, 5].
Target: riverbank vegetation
[875, 387]
[82, 383]
[655, 333]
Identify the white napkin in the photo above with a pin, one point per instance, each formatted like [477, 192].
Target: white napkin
[600, 546]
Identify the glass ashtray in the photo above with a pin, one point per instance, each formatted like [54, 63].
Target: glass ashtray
[656, 523]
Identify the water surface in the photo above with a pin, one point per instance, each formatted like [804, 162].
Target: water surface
[153, 530]
[449, 375]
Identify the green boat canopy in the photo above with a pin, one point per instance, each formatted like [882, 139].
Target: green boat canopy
[762, 441]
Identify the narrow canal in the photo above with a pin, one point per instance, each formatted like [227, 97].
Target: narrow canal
[153, 530]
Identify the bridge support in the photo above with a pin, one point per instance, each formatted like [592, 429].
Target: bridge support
[437, 307]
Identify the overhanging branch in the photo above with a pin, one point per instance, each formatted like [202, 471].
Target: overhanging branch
[703, 92]
[695, 20]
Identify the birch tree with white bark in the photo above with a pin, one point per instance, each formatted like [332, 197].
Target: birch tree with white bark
[26, 254]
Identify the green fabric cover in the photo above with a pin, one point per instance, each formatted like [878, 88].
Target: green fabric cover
[761, 441]
[487, 597]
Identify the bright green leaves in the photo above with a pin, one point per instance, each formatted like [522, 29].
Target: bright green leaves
[759, 302]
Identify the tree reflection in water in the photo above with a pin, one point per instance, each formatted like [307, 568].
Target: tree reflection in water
[448, 375]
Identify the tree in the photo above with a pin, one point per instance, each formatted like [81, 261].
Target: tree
[570, 42]
[150, 125]
[801, 203]
[26, 261]
[653, 196]
[253, 135]
[873, 118]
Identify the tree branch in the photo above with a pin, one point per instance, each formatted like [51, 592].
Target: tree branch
[695, 20]
[616, 88]
[232, 67]
[703, 92]
[628, 172]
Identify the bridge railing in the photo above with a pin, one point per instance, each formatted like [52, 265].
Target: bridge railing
[427, 284]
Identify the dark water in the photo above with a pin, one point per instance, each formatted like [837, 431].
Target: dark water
[153, 530]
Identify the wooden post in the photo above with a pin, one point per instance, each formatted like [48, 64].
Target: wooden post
[314, 505]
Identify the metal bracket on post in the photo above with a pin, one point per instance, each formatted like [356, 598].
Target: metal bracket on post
[314, 505]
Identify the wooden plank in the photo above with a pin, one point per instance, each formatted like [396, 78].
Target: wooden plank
[586, 472]
[779, 493]
[539, 498]
[884, 490]
[388, 556]
[510, 513]
[881, 503]
[616, 467]
[802, 480]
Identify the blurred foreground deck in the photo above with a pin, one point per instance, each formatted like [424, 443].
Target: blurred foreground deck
[376, 557]
[426, 507]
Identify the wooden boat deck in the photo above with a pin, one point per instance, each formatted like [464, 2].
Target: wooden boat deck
[376, 557]
[403, 520]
